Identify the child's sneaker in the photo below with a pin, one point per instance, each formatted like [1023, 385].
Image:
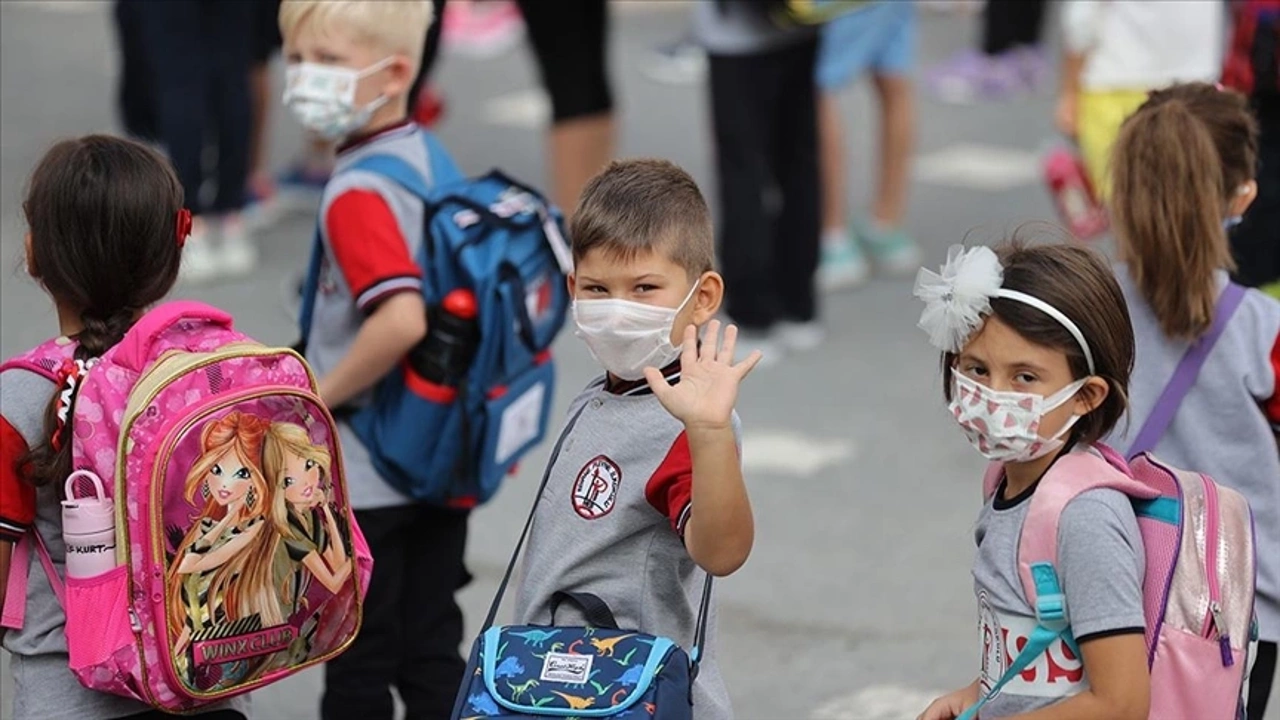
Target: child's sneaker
[200, 262]
[681, 63]
[972, 76]
[239, 255]
[800, 336]
[482, 29]
[892, 249]
[843, 266]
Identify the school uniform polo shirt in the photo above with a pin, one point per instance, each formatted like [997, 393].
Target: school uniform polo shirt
[611, 522]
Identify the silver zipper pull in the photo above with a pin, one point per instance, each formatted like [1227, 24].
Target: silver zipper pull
[1224, 640]
[134, 622]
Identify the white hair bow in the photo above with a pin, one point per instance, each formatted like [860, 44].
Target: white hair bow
[957, 299]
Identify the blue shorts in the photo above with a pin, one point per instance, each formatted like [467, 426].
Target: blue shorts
[880, 38]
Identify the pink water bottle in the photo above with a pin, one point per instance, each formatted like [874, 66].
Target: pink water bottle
[88, 528]
[1073, 194]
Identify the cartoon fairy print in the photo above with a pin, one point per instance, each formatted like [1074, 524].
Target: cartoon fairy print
[221, 576]
[314, 544]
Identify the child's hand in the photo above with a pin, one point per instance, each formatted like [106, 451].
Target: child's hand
[951, 705]
[708, 387]
[1065, 115]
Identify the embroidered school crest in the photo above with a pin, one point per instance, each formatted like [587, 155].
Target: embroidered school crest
[596, 489]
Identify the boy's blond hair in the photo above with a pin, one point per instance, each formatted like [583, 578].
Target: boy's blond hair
[394, 26]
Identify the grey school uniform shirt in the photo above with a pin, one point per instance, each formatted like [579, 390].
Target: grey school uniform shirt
[46, 688]
[611, 523]
[1226, 427]
[358, 271]
[1100, 566]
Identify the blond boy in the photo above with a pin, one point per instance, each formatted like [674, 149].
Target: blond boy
[350, 66]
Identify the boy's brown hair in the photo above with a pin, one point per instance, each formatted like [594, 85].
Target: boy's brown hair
[645, 205]
[1176, 166]
[1079, 283]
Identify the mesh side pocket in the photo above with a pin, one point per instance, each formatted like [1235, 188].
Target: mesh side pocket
[97, 618]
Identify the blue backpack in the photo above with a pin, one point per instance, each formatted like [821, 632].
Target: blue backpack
[504, 243]
[534, 672]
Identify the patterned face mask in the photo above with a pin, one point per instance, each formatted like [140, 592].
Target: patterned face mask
[1004, 426]
[323, 97]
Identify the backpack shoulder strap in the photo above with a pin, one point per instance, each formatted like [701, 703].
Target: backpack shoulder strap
[14, 612]
[1185, 374]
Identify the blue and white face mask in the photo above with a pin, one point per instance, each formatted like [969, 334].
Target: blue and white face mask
[1231, 222]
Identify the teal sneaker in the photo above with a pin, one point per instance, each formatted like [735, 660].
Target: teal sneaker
[893, 250]
[843, 266]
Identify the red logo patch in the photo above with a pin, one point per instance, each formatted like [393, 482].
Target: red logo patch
[596, 489]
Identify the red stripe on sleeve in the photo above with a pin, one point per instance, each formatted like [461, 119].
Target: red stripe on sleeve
[670, 490]
[369, 248]
[1272, 406]
[17, 496]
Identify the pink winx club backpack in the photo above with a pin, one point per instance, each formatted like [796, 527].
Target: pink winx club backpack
[1198, 593]
[237, 559]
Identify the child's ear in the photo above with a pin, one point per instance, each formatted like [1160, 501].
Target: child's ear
[1092, 395]
[571, 282]
[31, 258]
[707, 298]
[400, 73]
[1244, 197]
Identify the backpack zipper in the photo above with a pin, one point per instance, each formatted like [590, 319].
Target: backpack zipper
[1214, 617]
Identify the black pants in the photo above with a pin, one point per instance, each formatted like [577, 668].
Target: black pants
[133, 94]
[198, 54]
[1006, 24]
[412, 623]
[569, 39]
[765, 125]
[1264, 673]
[1255, 243]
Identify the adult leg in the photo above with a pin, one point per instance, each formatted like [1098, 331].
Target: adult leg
[357, 683]
[832, 159]
[430, 51]
[1007, 24]
[570, 40]
[794, 148]
[178, 56]
[1261, 679]
[744, 91]
[137, 104]
[229, 27]
[431, 668]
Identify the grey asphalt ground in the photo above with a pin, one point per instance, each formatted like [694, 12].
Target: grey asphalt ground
[857, 600]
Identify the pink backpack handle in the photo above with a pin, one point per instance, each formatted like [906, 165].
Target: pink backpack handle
[135, 347]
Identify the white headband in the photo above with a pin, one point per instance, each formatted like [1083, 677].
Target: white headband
[958, 299]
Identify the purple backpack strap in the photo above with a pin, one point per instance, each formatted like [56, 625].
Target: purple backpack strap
[1184, 376]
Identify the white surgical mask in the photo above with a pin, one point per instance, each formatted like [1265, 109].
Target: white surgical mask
[1004, 426]
[625, 336]
[323, 97]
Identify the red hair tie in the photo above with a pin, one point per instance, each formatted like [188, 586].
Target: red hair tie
[183, 226]
[69, 377]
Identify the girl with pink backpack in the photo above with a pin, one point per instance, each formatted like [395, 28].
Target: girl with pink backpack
[1105, 588]
[106, 228]
[1183, 171]
[160, 538]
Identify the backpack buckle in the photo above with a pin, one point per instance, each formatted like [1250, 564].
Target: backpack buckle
[1051, 602]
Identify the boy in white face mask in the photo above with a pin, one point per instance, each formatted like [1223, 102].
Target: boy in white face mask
[1037, 350]
[350, 65]
[647, 491]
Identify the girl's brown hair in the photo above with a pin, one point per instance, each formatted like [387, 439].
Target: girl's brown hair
[1177, 164]
[1079, 283]
[102, 212]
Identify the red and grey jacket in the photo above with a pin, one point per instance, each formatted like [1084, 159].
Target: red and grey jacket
[1252, 63]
